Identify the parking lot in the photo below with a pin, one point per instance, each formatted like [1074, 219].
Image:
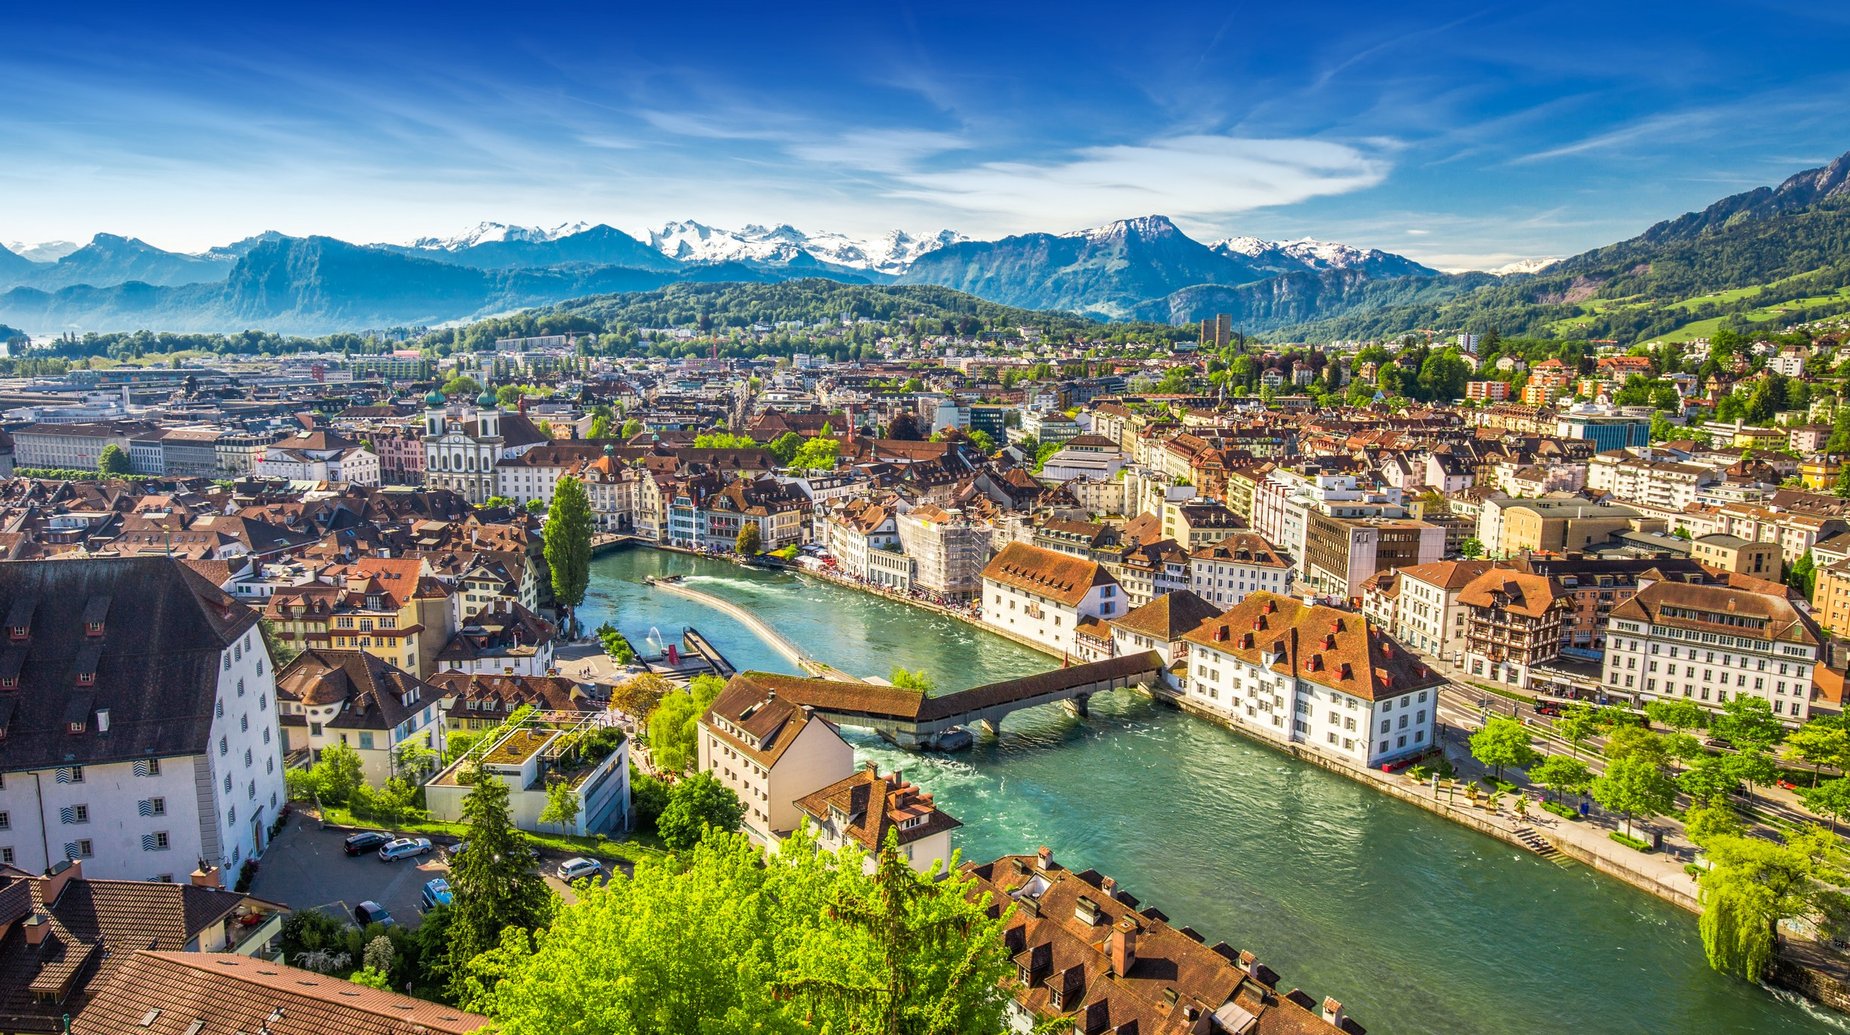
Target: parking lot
[306, 868]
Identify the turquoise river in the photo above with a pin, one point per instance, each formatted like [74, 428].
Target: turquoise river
[1416, 924]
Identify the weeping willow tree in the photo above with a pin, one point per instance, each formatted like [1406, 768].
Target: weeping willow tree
[1756, 883]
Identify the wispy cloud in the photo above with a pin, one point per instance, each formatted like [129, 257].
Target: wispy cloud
[879, 150]
[1199, 176]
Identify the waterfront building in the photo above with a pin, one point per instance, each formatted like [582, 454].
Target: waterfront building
[948, 550]
[350, 697]
[770, 752]
[1706, 644]
[136, 713]
[1312, 675]
[1040, 596]
[1084, 950]
[864, 808]
[1160, 625]
[1596, 585]
[476, 701]
[856, 529]
[1514, 621]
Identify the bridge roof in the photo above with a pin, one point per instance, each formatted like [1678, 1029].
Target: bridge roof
[831, 695]
[1025, 688]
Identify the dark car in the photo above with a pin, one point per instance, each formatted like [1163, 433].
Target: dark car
[365, 841]
[369, 913]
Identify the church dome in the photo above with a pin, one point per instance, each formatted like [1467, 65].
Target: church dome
[435, 400]
[486, 400]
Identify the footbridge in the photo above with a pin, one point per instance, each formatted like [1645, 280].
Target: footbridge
[912, 719]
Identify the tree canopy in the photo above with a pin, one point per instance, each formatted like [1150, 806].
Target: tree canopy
[1501, 743]
[695, 806]
[732, 944]
[494, 887]
[567, 535]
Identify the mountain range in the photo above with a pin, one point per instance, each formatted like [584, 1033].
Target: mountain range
[317, 284]
[1773, 253]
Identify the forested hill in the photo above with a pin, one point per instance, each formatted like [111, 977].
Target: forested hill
[1772, 255]
[811, 302]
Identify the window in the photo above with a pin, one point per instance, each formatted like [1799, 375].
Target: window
[75, 813]
[155, 842]
[6, 856]
[240, 688]
[224, 747]
[84, 849]
[247, 758]
[76, 774]
[218, 710]
[6, 821]
[244, 724]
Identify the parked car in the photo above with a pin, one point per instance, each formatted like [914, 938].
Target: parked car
[365, 841]
[1718, 742]
[404, 848]
[369, 913]
[436, 893]
[578, 869]
[1789, 785]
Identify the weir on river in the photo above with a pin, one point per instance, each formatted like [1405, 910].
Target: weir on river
[1416, 924]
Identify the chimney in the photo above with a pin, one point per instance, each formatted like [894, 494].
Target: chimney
[1332, 1011]
[1123, 947]
[102, 720]
[1249, 963]
[37, 925]
[57, 877]
[1046, 854]
[206, 876]
[1109, 886]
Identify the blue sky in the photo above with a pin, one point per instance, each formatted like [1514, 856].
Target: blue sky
[1460, 134]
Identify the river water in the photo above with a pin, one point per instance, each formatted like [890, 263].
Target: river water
[1416, 924]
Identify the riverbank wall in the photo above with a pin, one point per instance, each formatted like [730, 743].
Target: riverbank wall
[1399, 787]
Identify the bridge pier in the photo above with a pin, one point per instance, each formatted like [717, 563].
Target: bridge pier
[993, 727]
[1079, 704]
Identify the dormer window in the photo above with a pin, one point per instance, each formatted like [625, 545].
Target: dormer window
[86, 679]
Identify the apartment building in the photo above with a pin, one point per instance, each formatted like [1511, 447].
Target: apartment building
[1226, 572]
[948, 550]
[1041, 596]
[1314, 676]
[328, 696]
[1514, 621]
[1708, 643]
[137, 716]
[770, 752]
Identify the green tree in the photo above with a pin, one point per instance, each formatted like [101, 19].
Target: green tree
[750, 540]
[1562, 774]
[1675, 713]
[1636, 787]
[1708, 779]
[282, 652]
[462, 385]
[1823, 741]
[696, 804]
[631, 428]
[1577, 723]
[1748, 723]
[1503, 742]
[113, 462]
[561, 805]
[1751, 886]
[1628, 741]
[1803, 575]
[498, 503]
[723, 440]
[817, 454]
[567, 535]
[981, 441]
[1681, 747]
[732, 944]
[337, 773]
[1472, 546]
[910, 679]
[784, 447]
[493, 887]
[1751, 767]
[674, 725]
[1830, 799]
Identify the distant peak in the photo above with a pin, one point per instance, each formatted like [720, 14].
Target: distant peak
[1141, 226]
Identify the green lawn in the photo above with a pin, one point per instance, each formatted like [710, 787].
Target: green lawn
[1764, 314]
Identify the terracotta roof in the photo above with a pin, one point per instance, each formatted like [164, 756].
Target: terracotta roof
[1046, 573]
[1518, 592]
[751, 715]
[1246, 547]
[1682, 605]
[1450, 576]
[1169, 616]
[169, 993]
[1117, 967]
[1340, 650]
[872, 805]
[373, 690]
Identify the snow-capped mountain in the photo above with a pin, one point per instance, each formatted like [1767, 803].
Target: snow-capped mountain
[783, 244]
[488, 232]
[1315, 256]
[1523, 266]
[43, 251]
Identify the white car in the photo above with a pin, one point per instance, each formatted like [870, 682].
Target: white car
[404, 848]
[577, 869]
